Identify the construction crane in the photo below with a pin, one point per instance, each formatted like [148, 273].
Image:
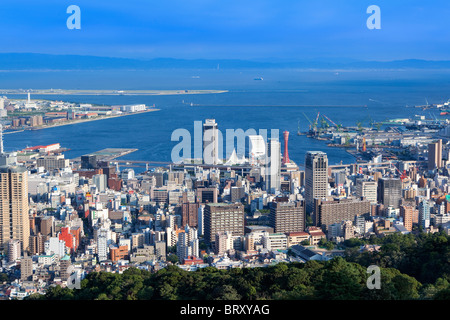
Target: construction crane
[310, 122]
[317, 118]
[313, 125]
[338, 126]
[402, 174]
[331, 121]
[323, 123]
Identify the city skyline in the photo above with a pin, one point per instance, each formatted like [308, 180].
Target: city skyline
[136, 161]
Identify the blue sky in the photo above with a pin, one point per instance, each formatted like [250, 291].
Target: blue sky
[245, 29]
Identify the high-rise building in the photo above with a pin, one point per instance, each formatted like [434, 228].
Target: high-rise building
[200, 220]
[273, 166]
[65, 268]
[14, 210]
[390, 192]
[256, 148]
[406, 213]
[210, 142]
[13, 250]
[26, 267]
[102, 247]
[223, 243]
[189, 214]
[287, 216]
[55, 246]
[367, 189]
[89, 161]
[424, 213]
[46, 225]
[316, 178]
[8, 159]
[205, 195]
[52, 162]
[435, 155]
[100, 181]
[37, 242]
[237, 193]
[187, 244]
[221, 217]
[329, 211]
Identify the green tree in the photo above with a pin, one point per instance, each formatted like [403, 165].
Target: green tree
[341, 281]
[406, 287]
[225, 292]
[173, 258]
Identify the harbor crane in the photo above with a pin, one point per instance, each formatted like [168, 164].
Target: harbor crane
[338, 126]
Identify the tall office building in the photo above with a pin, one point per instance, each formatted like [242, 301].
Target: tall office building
[13, 250]
[256, 148]
[52, 162]
[8, 159]
[14, 210]
[390, 192]
[316, 178]
[100, 181]
[26, 267]
[205, 195]
[287, 216]
[406, 213]
[47, 225]
[37, 244]
[367, 189]
[189, 213]
[187, 244]
[210, 142]
[222, 217]
[435, 155]
[424, 213]
[224, 242]
[273, 166]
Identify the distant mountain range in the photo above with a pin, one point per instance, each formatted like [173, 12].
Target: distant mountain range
[34, 61]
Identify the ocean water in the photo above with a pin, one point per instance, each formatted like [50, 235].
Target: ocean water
[284, 99]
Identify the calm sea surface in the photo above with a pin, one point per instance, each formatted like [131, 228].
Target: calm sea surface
[282, 100]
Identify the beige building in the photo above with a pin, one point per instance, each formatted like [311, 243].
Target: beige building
[52, 162]
[367, 189]
[287, 216]
[222, 217]
[316, 178]
[435, 155]
[14, 209]
[294, 238]
[407, 213]
[315, 234]
[26, 267]
[336, 210]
